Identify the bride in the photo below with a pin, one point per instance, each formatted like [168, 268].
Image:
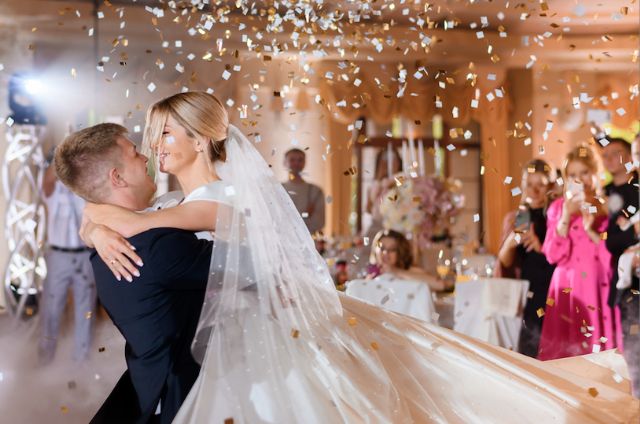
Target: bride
[278, 344]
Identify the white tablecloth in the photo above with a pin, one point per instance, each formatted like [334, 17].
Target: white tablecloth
[491, 310]
[407, 297]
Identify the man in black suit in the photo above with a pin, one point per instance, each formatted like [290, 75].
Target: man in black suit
[158, 313]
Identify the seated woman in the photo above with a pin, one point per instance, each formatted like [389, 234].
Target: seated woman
[393, 283]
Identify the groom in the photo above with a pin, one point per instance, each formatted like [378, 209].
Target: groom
[158, 313]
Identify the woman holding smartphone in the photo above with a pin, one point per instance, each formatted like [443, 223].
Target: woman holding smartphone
[577, 319]
[521, 255]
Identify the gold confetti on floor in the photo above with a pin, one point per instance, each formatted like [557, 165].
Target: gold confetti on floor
[374, 346]
[593, 391]
[352, 321]
[540, 312]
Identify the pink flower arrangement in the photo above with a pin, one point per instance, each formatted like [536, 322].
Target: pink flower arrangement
[422, 206]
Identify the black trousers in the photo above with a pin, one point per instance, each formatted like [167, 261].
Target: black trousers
[121, 407]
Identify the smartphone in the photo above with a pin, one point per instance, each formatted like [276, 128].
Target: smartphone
[523, 220]
[575, 188]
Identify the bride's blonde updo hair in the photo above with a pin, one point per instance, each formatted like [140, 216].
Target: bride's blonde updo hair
[201, 114]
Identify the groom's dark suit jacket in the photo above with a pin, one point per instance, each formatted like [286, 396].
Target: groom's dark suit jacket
[157, 314]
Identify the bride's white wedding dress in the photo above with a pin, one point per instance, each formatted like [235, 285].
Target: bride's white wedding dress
[283, 347]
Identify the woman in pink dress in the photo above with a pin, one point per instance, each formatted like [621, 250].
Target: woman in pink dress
[577, 320]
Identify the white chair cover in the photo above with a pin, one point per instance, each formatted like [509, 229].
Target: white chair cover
[491, 310]
[406, 297]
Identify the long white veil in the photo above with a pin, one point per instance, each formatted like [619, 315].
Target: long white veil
[272, 339]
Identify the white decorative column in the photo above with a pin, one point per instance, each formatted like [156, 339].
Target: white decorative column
[25, 217]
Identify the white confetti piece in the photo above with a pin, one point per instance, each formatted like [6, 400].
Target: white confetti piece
[476, 217]
[516, 191]
[151, 87]
[136, 129]
[226, 75]
[179, 67]
[621, 112]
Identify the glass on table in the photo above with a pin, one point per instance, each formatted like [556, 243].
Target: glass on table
[446, 270]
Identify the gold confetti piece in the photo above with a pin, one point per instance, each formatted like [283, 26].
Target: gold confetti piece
[593, 391]
[64, 409]
[540, 312]
[228, 421]
[351, 171]
[567, 290]
[295, 333]
[352, 321]
[550, 301]
[87, 315]
[374, 346]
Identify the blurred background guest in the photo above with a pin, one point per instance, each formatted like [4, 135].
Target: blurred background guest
[577, 318]
[68, 267]
[628, 288]
[622, 201]
[391, 254]
[521, 256]
[393, 283]
[380, 185]
[308, 198]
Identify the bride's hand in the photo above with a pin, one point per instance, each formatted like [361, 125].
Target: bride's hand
[115, 251]
[115, 217]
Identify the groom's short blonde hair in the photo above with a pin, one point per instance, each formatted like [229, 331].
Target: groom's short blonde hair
[84, 159]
